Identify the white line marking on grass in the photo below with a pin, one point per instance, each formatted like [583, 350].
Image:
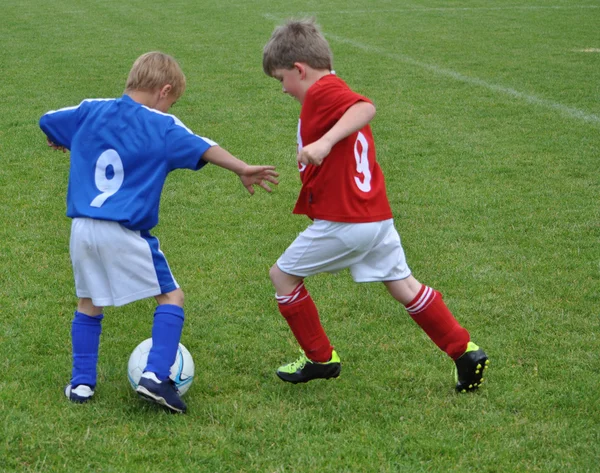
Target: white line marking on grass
[451, 9]
[564, 109]
[587, 50]
[443, 9]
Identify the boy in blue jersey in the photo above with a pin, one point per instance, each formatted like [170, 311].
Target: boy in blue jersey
[121, 153]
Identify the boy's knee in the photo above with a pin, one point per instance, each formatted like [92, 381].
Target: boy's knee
[87, 307]
[283, 283]
[274, 273]
[175, 297]
[404, 290]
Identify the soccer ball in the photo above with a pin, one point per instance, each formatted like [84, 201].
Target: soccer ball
[182, 371]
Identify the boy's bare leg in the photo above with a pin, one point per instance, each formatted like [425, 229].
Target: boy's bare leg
[87, 307]
[404, 290]
[175, 297]
[284, 283]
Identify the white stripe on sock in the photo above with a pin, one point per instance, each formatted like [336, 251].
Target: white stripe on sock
[423, 301]
[291, 298]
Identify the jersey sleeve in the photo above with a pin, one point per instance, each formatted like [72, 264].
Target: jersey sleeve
[184, 148]
[335, 100]
[60, 125]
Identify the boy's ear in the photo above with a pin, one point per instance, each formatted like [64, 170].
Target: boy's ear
[165, 90]
[301, 68]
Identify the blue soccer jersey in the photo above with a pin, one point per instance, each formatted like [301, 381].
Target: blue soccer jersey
[121, 153]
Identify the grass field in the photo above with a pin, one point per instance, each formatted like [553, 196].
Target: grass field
[488, 130]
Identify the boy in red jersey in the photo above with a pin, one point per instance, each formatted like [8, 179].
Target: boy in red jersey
[343, 192]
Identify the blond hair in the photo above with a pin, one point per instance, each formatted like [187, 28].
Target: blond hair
[297, 41]
[154, 70]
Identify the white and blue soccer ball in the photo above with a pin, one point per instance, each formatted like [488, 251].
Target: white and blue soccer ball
[182, 371]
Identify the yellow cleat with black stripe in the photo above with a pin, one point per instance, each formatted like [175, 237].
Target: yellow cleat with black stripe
[470, 369]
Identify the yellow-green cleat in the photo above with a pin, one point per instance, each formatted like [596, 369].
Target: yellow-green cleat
[470, 368]
[304, 369]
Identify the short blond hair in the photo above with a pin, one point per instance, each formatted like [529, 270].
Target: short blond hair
[297, 41]
[154, 70]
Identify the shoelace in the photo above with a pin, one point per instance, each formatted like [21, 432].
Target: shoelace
[300, 362]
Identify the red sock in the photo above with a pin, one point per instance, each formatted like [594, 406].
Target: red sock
[301, 314]
[430, 312]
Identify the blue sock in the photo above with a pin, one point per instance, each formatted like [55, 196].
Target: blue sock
[166, 333]
[85, 338]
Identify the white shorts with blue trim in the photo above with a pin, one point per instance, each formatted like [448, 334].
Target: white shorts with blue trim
[113, 265]
[372, 251]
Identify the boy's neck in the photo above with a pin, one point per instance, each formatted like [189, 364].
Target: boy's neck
[313, 75]
[142, 97]
[159, 99]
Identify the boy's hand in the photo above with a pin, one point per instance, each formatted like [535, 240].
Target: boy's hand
[314, 153]
[260, 175]
[55, 146]
[356, 117]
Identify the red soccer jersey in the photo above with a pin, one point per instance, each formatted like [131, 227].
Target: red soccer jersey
[349, 186]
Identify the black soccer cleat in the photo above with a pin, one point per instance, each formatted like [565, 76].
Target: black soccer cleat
[303, 369]
[470, 367]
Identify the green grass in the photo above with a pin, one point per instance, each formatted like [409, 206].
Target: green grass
[488, 131]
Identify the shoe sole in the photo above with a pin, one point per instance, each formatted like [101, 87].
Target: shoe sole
[79, 399]
[477, 377]
[284, 376]
[161, 401]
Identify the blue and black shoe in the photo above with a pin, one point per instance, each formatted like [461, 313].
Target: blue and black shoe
[164, 393]
[79, 394]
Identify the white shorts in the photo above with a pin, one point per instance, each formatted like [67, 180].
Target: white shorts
[113, 265]
[372, 251]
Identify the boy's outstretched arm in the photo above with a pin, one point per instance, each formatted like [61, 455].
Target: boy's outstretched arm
[249, 175]
[355, 118]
